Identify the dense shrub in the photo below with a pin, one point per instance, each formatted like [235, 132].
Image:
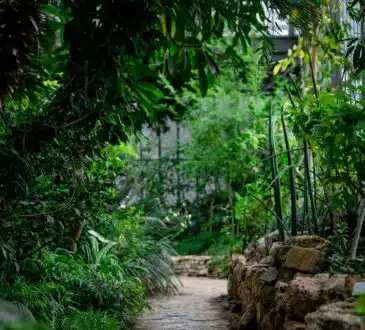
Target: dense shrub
[67, 285]
[104, 283]
[89, 320]
[197, 244]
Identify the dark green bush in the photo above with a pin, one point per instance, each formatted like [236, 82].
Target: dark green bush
[198, 244]
[104, 285]
[67, 285]
[90, 320]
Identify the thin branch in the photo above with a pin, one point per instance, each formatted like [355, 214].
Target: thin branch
[76, 121]
[273, 213]
[277, 154]
[359, 225]
[316, 92]
[288, 185]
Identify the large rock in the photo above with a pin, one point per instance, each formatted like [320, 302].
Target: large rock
[11, 312]
[335, 316]
[273, 237]
[238, 258]
[256, 290]
[249, 250]
[270, 276]
[243, 322]
[309, 241]
[292, 325]
[260, 249]
[302, 253]
[261, 242]
[286, 275]
[284, 288]
[278, 253]
[268, 260]
[305, 293]
[235, 276]
[280, 292]
[302, 297]
[307, 260]
[321, 277]
[258, 254]
[334, 288]
[252, 283]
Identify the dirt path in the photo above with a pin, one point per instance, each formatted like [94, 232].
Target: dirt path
[196, 307]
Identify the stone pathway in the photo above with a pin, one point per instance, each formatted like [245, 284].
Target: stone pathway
[198, 306]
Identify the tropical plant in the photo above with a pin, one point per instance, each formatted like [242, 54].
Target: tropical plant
[96, 255]
[328, 121]
[89, 320]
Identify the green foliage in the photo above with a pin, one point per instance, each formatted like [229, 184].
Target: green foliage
[71, 284]
[361, 305]
[46, 299]
[105, 286]
[339, 249]
[142, 252]
[228, 138]
[216, 244]
[115, 259]
[315, 152]
[338, 260]
[253, 214]
[224, 129]
[221, 264]
[327, 118]
[80, 92]
[293, 192]
[88, 320]
[197, 244]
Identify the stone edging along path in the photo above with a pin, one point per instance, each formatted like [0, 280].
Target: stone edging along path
[192, 265]
[200, 305]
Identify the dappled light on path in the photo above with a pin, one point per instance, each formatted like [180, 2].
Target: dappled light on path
[198, 306]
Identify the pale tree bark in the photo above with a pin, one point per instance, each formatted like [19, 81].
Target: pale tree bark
[360, 222]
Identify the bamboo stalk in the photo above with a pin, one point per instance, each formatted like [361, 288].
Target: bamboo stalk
[314, 174]
[307, 170]
[231, 206]
[274, 170]
[306, 205]
[293, 194]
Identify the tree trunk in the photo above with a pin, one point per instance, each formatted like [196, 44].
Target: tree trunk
[360, 221]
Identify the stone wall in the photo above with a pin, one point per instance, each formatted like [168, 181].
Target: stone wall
[285, 286]
[192, 265]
